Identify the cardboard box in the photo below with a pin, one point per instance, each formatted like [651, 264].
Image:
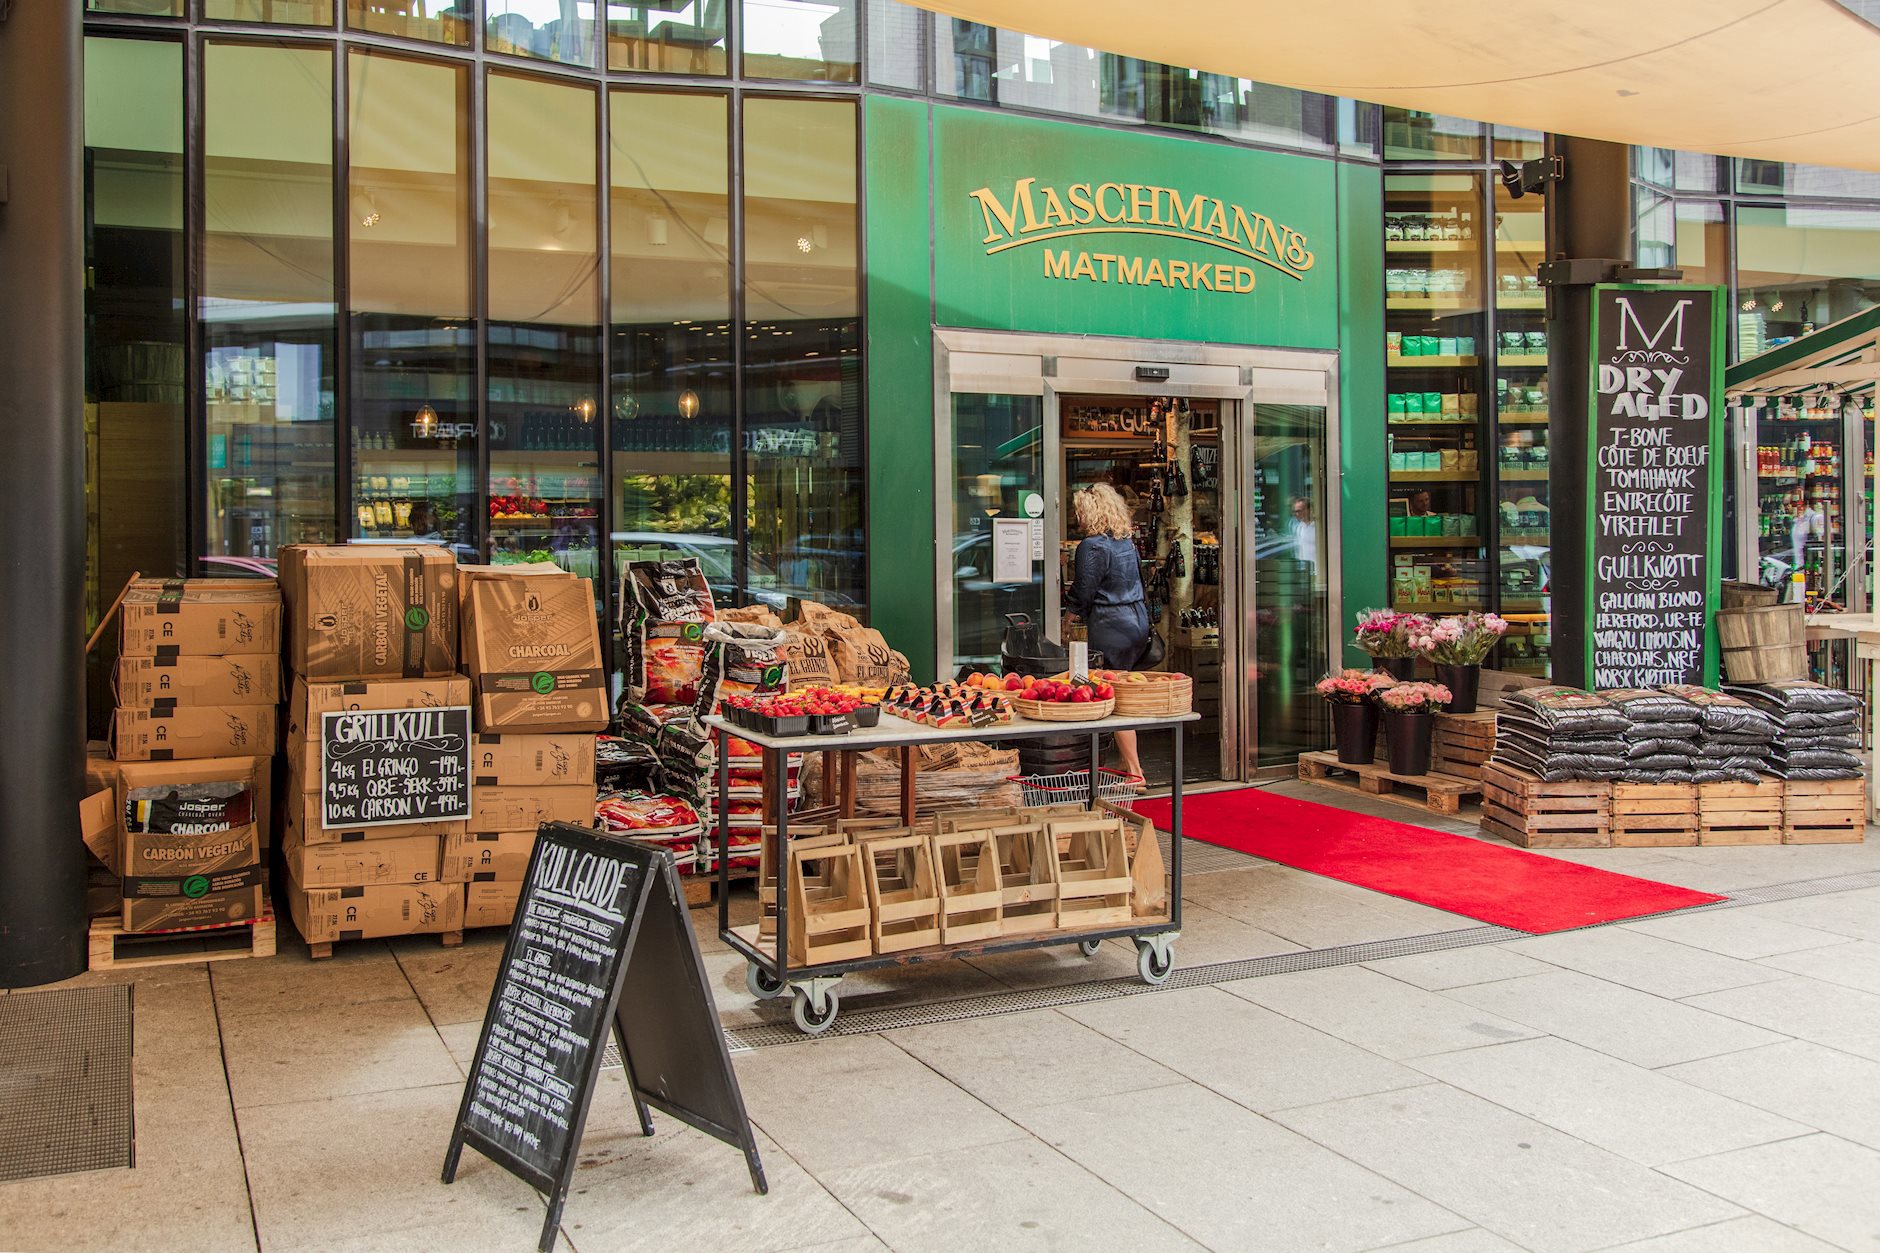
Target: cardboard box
[306, 702]
[200, 618]
[364, 863]
[532, 647]
[487, 857]
[325, 915]
[200, 871]
[193, 732]
[467, 574]
[370, 611]
[300, 822]
[532, 760]
[526, 808]
[491, 904]
[241, 679]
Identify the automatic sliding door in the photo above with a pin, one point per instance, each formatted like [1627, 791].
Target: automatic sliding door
[996, 545]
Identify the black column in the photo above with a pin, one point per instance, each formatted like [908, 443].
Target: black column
[1589, 235]
[42, 446]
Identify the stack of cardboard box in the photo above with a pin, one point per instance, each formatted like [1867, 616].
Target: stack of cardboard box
[532, 649]
[368, 627]
[179, 809]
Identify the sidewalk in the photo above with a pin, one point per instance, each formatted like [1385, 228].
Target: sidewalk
[1709, 1081]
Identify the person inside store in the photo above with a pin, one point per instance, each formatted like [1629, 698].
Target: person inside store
[424, 521]
[1420, 502]
[1106, 591]
[1305, 532]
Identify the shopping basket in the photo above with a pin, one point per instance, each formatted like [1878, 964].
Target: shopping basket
[1073, 786]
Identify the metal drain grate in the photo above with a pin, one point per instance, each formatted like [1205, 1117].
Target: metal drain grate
[65, 1081]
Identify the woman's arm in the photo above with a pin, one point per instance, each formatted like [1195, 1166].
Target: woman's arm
[1089, 565]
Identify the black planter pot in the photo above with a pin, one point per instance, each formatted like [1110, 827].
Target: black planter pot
[1409, 736]
[1402, 669]
[1354, 730]
[1463, 682]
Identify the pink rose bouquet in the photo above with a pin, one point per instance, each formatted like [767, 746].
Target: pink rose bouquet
[1386, 633]
[1353, 687]
[1414, 698]
[1465, 639]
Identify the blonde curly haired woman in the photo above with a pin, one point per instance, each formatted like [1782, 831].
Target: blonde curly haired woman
[1106, 590]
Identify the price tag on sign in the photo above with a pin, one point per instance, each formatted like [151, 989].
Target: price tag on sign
[981, 718]
[841, 724]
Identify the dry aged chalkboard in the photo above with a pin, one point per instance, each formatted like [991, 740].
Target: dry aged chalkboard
[381, 767]
[574, 966]
[1655, 501]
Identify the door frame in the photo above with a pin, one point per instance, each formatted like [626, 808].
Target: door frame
[1023, 363]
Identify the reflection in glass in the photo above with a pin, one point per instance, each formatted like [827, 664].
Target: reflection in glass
[544, 350]
[276, 12]
[267, 301]
[1801, 267]
[806, 40]
[998, 460]
[1410, 135]
[669, 36]
[1523, 504]
[894, 44]
[412, 325]
[1517, 143]
[146, 8]
[670, 335]
[440, 21]
[549, 30]
[802, 346]
[1291, 578]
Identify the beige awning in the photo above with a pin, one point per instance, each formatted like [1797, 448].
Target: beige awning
[1784, 80]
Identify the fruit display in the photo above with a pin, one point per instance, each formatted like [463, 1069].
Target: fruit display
[949, 705]
[1063, 691]
[811, 710]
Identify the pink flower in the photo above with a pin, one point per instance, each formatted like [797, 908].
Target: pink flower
[1415, 697]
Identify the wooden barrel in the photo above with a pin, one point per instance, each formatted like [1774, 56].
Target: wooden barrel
[1749, 595]
[1763, 644]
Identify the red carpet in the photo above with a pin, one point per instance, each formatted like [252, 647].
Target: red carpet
[1492, 882]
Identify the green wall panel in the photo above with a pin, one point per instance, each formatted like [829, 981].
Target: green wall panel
[1362, 483]
[901, 550]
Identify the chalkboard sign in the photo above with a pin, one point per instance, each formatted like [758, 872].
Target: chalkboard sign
[572, 968]
[383, 767]
[1655, 501]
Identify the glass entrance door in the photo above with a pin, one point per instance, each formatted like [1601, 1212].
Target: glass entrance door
[996, 545]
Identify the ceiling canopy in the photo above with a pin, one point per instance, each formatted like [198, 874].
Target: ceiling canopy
[1783, 80]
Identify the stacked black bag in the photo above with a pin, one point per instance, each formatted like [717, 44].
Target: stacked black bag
[1560, 733]
[1661, 744]
[1738, 739]
[1818, 729]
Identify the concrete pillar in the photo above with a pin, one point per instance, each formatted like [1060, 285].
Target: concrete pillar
[42, 446]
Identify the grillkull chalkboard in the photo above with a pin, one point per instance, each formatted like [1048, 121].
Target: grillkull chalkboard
[588, 901]
[1654, 509]
[383, 767]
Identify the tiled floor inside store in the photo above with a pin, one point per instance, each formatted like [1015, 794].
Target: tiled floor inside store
[1708, 1081]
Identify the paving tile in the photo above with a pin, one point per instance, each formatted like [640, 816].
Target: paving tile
[1265, 1187]
[1510, 1174]
[1808, 1009]
[461, 1039]
[1316, 912]
[1632, 1026]
[355, 974]
[453, 983]
[854, 1100]
[1821, 1185]
[1852, 964]
[1017, 1195]
[1631, 1111]
[1010, 1061]
[1736, 933]
[860, 1244]
[1855, 915]
[1209, 936]
[1244, 1051]
[1377, 1012]
[281, 1056]
[1059, 966]
[1825, 1088]
[1644, 962]
[1750, 1234]
[1459, 967]
[1474, 1240]
[366, 1167]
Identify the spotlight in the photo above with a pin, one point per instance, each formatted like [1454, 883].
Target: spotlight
[424, 426]
[688, 404]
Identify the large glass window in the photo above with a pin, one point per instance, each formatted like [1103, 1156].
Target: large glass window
[671, 36]
[998, 461]
[544, 350]
[1777, 178]
[809, 40]
[673, 387]
[278, 12]
[802, 351]
[1410, 135]
[146, 8]
[414, 413]
[267, 306]
[440, 21]
[1800, 268]
[894, 44]
[549, 30]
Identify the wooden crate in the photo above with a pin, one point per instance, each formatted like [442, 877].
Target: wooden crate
[1532, 813]
[1442, 794]
[829, 911]
[1654, 815]
[966, 869]
[1740, 813]
[1092, 872]
[1028, 888]
[111, 947]
[903, 893]
[806, 836]
[1148, 874]
[1824, 811]
[1462, 743]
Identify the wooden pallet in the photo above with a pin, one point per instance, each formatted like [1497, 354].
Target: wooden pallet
[1740, 813]
[1654, 815]
[1824, 811]
[1463, 743]
[1442, 793]
[1529, 812]
[114, 948]
[319, 949]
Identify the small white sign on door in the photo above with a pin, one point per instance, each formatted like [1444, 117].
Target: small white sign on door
[1011, 550]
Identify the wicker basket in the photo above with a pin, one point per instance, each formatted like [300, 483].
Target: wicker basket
[1056, 711]
[1162, 696]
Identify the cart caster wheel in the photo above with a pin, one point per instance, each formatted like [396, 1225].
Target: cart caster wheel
[761, 984]
[812, 1019]
[1089, 948]
[1153, 969]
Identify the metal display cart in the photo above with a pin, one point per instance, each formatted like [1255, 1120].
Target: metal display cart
[814, 989]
